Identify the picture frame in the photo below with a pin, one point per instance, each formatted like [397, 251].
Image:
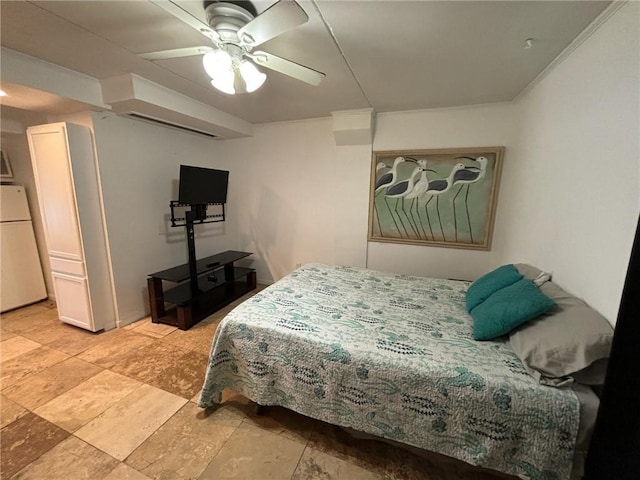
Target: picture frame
[435, 197]
[6, 173]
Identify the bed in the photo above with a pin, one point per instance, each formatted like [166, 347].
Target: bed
[393, 356]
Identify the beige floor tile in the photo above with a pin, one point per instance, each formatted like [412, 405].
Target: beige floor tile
[198, 345]
[47, 303]
[277, 420]
[83, 403]
[196, 337]
[116, 346]
[252, 453]
[148, 360]
[132, 325]
[123, 427]
[183, 446]
[39, 388]
[6, 335]
[186, 377]
[46, 328]
[201, 346]
[125, 472]
[70, 459]
[74, 340]
[8, 318]
[282, 421]
[9, 411]
[25, 440]
[36, 360]
[34, 326]
[165, 366]
[15, 346]
[336, 442]
[391, 460]
[156, 330]
[315, 464]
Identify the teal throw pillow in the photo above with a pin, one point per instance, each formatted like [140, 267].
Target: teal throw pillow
[508, 308]
[490, 283]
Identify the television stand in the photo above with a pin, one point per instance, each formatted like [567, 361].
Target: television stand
[218, 283]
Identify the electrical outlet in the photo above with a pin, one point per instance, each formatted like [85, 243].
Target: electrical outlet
[298, 265]
[161, 229]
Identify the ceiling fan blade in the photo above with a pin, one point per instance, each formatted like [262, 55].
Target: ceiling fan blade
[186, 17]
[287, 67]
[176, 52]
[275, 20]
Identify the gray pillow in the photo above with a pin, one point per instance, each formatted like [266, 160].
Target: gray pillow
[569, 343]
[532, 273]
[527, 271]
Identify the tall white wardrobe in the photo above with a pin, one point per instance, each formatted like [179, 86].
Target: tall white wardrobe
[68, 189]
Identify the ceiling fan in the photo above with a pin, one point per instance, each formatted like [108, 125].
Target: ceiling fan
[235, 29]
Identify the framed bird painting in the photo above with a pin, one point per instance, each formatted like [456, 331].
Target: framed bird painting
[443, 198]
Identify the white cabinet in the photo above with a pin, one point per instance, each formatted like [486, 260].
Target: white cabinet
[50, 155]
[69, 196]
[77, 312]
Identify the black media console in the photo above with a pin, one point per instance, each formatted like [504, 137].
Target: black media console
[218, 283]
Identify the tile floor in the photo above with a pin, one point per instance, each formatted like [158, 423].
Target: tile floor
[120, 405]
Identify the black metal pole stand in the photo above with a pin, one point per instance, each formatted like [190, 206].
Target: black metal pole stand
[191, 247]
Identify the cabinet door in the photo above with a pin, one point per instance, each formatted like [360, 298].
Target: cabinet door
[72, 300]
[50, 157]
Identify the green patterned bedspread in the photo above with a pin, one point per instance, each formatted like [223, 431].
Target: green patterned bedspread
[393, 355]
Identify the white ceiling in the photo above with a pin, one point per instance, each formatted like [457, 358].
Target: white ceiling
[391, 55]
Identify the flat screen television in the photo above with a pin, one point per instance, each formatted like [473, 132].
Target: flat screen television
[202, 185]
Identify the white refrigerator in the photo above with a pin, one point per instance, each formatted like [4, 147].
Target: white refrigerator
[21, 278]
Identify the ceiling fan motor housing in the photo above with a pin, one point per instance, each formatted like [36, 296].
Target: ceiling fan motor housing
[227, 18]
[248, 6]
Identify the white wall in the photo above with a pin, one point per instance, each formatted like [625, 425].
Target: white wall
[303, 199]
[574, 197]
[139, 169]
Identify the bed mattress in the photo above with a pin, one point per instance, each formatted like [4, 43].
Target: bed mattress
[393, 356]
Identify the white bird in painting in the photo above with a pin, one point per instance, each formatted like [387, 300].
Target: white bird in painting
[419, 188]
[466, 177]
[386, 180]
[440, 186]
[422, 185]
[390, 177]
[471, 174]
[399, 191]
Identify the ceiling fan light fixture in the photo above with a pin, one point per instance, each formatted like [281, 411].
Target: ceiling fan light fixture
[231, 75]
[216, 63]
[235, 28]
[224, 85]
[253, 78]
